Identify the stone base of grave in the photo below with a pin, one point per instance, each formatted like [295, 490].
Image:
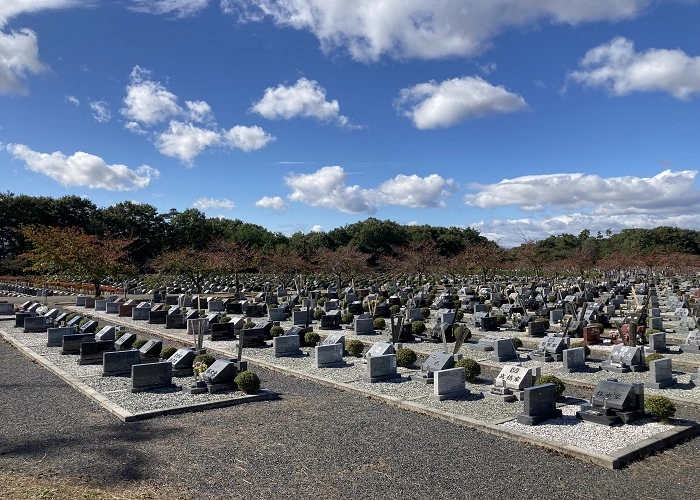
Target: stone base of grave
[582, 369]
[503, 359]
[182, 372]
[198, 388]
[335, 364]
[537, 419]
[289, 354]
[506, 398]
[153, 387]
[451, 395]
[214, 388]
[611, 367]
[692, 348]
[602, 416]
[420, 377]
[542, 358]
[481, 347]
[660, 385]
[95, 359]
[381, 378]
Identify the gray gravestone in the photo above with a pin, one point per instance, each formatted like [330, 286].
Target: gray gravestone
[504, 350]
[91, 353]
[692, 343]
[381, 368]
[363, 325]
[449, 384]
[125, 341]
[334, 339]
[624, 359]
[152, 348]
[574, 360]
[182, 361]
[661, 374]
[37, 324]
[55, 335]
[151, 376]
[221, 373]
[71, 343]
[657, 342]
[539, 404]
[286, 346]
[380, 349]
[328, 356]
[106, 333]
[119, 362]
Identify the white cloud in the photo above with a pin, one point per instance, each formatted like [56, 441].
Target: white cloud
[19, 56]
[12, 8]
[665, 191]
[272, 202]
[247, 138]
[83, 169]
[135, 128]
[199, 111]
[317, 228]
[617, 67]
[425, 29]
[431, 105]
[213, 204]
[305, 98]
[327, 187]
[146, 101]
[73, 100]
[178, 8]
[100, 111]
[185, 141]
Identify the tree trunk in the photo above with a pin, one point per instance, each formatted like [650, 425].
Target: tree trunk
[96, 284]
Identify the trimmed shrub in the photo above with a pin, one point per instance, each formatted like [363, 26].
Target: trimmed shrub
[347, 318]
[82, 322]
[586, 349]
[395, 309]
[138, 343]
[204, 358]
[518, 342]
[540, 319]
[70, 317]
[459, 315]
[247, 325]
[379, 324]
[472, 369]
[355, 347]
[425, 311]
[418, 326]
[459, 329]
[660, 406]
[319, 313]
[405, 357]
[118, 334]
[501, 319]
[247, 382]
[312, 338]
[276, 331]
[651, 357]
[551, 379]
[224, 319]
[167, 352]
[321, 301]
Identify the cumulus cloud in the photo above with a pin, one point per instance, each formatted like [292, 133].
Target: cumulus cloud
[19, 56]
[148, 102]
[185, 141]
[306, 98]
[317, 228]
[12, 8]
[611, 196]
[199, 111]
[617, 67]
[431, 105]
[177, 8]
[100, 111]
[246, 138]
[328, 188]
[272, 202]
[425, 29]
[83, 169]
[73, 100]
[213, 204]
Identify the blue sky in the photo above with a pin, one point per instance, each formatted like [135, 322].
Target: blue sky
[519, 118]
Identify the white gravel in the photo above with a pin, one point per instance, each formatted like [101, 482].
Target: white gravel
[589, 436]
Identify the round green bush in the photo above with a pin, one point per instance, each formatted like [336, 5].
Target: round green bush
[347, 318]
[70, 317]
[247, 325]
[417, 326]
[551, 379]
[540, 319]
[472, 369]
[652, 357]
[458, 330]
[138, 343]
[118, 334]
[501, 319]
[355, 347]
[518, 342]
[586, 349]
[247, 382]
[660, 406]
[276, 331]
[82, 322]
[395, 309]
[166, 352]
[319, 313]
[405, 357]
[312, 338]
[224, 319]
[204, 358]
[379, 324]
[425, 311]
[321, 301]
[459, 315]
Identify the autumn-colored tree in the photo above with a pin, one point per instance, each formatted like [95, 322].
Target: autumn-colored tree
[485, 259]
[283, 265]
[345, 261]
[417, 257]
[185, 264]
[228, 257]
[68, 250]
